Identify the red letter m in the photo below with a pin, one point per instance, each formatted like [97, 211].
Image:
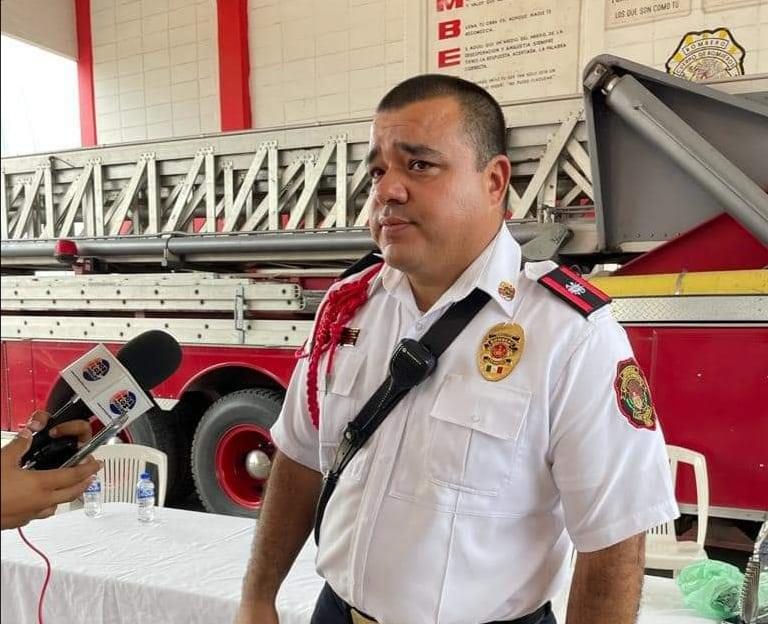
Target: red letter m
[448, 5]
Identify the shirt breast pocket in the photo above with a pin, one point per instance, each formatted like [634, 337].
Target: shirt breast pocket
[339, 404]
[474, 431]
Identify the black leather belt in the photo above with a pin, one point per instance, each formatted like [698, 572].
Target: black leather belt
[358, 617]
[531, 618]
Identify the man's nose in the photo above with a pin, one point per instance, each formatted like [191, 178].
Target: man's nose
[390, 188]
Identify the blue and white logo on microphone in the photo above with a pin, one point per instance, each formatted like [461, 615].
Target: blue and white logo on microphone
[121, 402]
[95, 369]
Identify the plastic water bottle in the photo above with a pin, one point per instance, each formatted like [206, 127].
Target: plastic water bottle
[145, 497]
[92, 498]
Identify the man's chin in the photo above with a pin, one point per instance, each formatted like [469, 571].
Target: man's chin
[400, 256]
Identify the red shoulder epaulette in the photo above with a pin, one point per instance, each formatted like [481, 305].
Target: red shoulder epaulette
[575, 290]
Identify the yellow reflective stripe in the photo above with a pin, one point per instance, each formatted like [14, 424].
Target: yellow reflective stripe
[751, 282]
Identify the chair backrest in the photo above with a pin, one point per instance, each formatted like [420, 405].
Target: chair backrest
[678, 455]
[663, 532]
[123, 463]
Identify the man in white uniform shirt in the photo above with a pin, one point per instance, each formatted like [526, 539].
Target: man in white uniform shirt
[535, 431]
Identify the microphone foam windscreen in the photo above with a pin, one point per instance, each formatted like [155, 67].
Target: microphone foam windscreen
[151, 357]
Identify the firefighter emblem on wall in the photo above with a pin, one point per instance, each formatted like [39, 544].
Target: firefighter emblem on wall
[707, 55]
[634, 396]
[500, 351]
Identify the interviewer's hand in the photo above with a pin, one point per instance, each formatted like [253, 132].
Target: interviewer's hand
[30, 494]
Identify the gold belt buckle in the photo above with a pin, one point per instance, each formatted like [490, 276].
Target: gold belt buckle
[359, 618]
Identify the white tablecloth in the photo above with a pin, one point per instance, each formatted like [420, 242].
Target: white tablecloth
[185, 568]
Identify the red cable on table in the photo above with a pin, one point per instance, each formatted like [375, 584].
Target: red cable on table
[47, 575]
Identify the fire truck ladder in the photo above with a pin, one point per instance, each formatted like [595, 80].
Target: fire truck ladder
[295, 195]
[289, 196]
[196, 308]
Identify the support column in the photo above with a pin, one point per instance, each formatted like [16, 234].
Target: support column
[85, 73]
[234, 65]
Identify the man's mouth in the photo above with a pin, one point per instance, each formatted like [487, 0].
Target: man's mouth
[393, 224]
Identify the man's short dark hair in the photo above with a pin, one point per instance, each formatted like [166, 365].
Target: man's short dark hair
[482, 116]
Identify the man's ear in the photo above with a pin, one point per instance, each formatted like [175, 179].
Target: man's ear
[498, 172]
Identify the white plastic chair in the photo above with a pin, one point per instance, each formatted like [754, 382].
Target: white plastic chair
[663, 551]
[123, 463]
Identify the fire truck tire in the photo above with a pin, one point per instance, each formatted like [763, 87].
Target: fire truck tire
[158, 429]
[228, 432]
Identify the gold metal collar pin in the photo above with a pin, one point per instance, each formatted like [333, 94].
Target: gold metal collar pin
[507, 291]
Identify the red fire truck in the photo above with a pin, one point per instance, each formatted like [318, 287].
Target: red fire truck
[229, 241]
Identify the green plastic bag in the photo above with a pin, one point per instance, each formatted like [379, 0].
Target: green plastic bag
[711, 588]
[762, 592]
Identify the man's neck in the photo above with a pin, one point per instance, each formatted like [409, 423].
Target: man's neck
[427, 289]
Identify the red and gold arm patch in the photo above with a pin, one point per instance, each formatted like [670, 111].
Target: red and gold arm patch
[634, 396]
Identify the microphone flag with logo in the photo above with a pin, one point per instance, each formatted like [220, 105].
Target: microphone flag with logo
[106, 386]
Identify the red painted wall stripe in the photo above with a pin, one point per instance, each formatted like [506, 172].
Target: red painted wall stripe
[85, 72]
[234, 65]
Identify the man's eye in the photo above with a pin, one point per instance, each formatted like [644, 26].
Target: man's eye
[375, 173]
[420, 165]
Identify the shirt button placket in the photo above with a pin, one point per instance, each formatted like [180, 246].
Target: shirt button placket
[379, 475]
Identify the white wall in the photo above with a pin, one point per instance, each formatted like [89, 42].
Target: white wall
[320, 60]
[156, 61]
[652, 44]
[155, 68]
[49, 24]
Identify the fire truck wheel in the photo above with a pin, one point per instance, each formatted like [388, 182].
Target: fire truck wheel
[158, 429]
[232, 451]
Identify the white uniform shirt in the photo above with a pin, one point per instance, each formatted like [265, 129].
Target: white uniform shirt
[462, 506]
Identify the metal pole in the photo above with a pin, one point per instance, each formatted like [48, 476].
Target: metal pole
[114, 248]
[740, 196]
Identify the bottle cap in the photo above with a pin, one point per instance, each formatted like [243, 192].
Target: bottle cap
[144, 475]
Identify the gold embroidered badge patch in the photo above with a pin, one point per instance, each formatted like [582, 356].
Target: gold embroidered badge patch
[507, 291]
[500, 351]
[633, 395]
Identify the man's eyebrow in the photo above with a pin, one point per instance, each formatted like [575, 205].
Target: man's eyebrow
[372, 155]
[418, 149]
[413, 149]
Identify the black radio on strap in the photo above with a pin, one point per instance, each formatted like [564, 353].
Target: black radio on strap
[411, 363]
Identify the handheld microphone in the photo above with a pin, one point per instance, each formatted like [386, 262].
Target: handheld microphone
[150, 358]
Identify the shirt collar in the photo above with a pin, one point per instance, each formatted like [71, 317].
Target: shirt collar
[498, 263]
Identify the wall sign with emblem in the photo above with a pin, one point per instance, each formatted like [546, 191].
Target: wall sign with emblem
[620, 13]
[517, 49]
[707, 55]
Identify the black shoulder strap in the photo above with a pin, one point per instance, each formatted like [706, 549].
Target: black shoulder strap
[363, 263]
[436, 340]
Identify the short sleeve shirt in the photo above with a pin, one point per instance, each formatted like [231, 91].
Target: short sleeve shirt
[464, 505]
